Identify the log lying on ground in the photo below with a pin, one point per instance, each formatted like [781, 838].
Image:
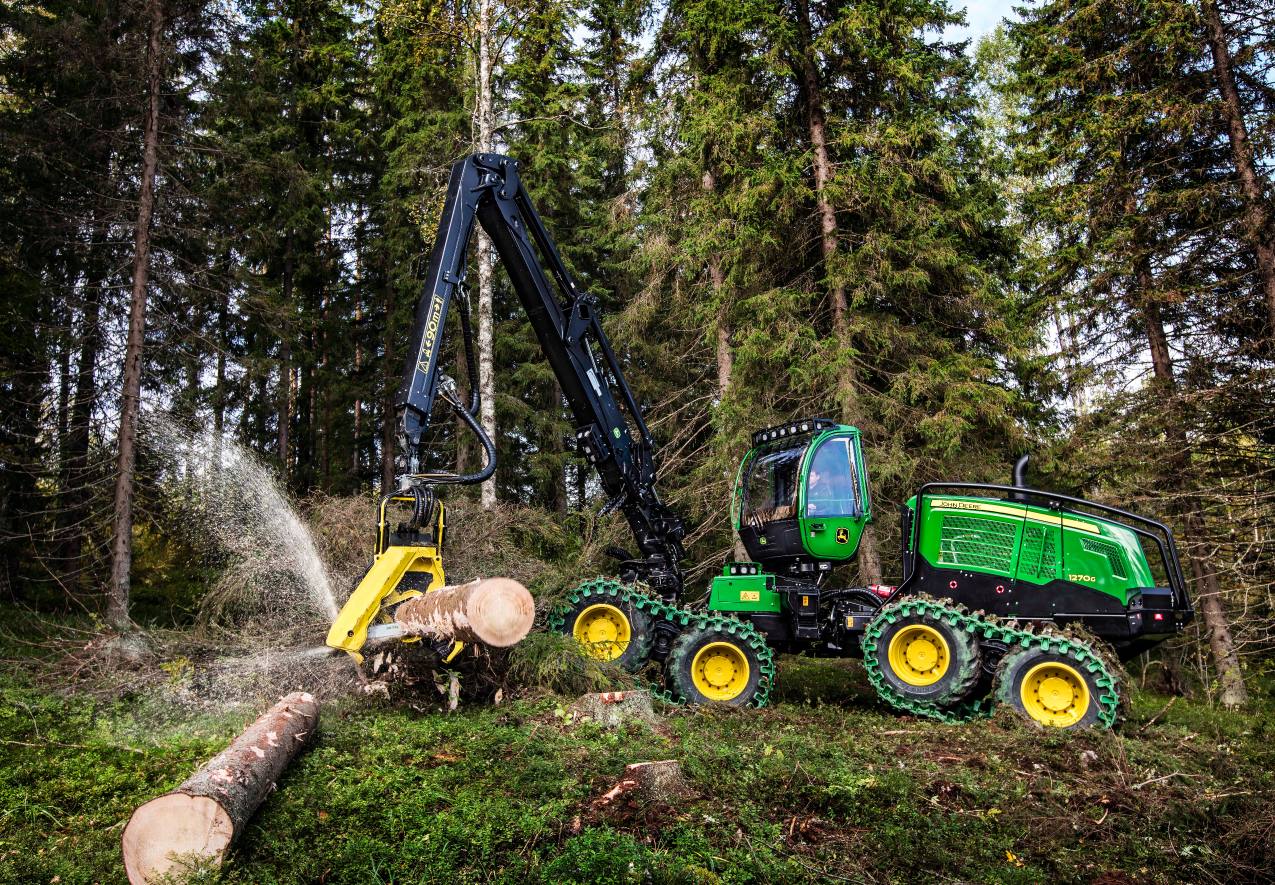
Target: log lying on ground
[196, 823]
[495, 611]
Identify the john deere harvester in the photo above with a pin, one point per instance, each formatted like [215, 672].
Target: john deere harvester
[1009, 595]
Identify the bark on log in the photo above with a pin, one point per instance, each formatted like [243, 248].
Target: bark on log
[197, 822]
[496, 611]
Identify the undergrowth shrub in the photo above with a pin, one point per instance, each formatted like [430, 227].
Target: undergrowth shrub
[557, 663]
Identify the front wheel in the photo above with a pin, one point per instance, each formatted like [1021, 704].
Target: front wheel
[712, 665]
[608, 626]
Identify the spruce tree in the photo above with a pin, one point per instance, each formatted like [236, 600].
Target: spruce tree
[1129, 186]
[286, 122]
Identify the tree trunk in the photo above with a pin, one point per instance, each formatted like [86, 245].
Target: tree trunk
[847, 395]
[283, 402]
[496, 612]
[649, 782]
[388, 416]
[554, 445]
[323, 427]
[130, 398]
[303, 443]
[725, 355]
[1207, 591]
[75, 480]
[387, 444]
[485, 126]
[223, 345]
[717, 279]
[219, 388]
[1209, 597]
[1257, 217]
[64, 391]
[197, 822]
[356, 462]
[1158, 343]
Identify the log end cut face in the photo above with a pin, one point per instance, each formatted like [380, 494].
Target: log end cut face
[173, 833]
[502, 612]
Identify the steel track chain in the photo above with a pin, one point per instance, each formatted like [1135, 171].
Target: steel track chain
[681, 618]
[1087, 652]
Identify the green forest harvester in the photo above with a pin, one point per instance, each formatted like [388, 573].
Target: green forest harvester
[1009, 595]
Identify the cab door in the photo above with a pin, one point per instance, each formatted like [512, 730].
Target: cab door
[833, 503]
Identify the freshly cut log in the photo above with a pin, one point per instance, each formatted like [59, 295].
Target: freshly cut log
[495, 611]
[196, 823]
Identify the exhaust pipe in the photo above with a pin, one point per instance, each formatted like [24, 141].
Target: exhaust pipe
[1020, 477]
[1020, 471]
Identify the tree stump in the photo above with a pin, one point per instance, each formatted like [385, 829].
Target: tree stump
[648, 782]
[495, 611]
[615, 708]
[197, 822]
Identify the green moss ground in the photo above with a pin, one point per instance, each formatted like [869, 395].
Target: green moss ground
[824, 786]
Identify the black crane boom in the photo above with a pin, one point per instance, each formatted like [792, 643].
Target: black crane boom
[610, 430]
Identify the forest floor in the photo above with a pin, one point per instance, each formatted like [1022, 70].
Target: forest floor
[824, 786]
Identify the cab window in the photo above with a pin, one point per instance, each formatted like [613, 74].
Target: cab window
[832, 487]
[770, 490]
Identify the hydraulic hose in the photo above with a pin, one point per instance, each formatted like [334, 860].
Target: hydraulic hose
[471, 364]
[489, 448]
[489, 454]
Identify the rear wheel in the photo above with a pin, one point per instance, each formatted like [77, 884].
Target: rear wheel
[925, 658]
[608, 626]
[1052, 689]
[712, 665]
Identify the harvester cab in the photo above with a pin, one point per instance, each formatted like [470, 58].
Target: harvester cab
[801, 496]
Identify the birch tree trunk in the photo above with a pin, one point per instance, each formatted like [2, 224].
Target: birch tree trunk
[847, 395]
[130, 398]
[484, 127]
[1257, 216]
[388, 415]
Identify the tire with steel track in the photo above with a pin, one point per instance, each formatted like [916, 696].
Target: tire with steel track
[713, 665]
[925, 657]
[601, 615]
[1054, 689]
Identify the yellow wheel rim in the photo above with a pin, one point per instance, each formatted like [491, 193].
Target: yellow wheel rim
[603, 630]
[919, 655]
[1055, 694]
[720, 671]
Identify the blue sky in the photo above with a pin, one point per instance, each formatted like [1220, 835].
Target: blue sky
[982, 15]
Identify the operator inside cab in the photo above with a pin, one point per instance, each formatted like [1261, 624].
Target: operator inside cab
[830, 487]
